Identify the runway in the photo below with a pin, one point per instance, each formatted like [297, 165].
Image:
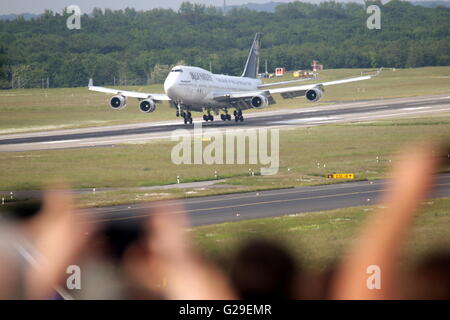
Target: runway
[254, 205]
[350, 112]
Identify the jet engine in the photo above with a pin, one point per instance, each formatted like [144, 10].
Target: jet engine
[259, 101]
[118, 102]
[314, 94]
[147, 106]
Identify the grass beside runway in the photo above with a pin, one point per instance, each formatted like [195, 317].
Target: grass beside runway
[320, 239]
[307, 155]
[49, 109]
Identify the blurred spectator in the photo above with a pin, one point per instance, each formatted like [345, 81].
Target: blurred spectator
[155, 258]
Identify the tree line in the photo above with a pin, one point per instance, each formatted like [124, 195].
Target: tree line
[120, 46]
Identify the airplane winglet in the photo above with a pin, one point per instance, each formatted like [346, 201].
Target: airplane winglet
[91, 82]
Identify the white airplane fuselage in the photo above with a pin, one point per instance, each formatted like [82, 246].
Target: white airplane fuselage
[197, 87]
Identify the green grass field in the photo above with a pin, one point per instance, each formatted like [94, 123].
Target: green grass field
[320, 239]
[346, 148]
[41, 109]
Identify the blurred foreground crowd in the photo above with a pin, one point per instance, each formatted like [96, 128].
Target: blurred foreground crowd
[154, 258]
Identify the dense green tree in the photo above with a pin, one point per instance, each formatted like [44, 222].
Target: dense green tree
[160, 72]
[130, 47]
[4, 83]
[27, 76]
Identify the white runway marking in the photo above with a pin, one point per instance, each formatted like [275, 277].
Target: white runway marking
[441, 98]
[417, 108]
[316, 119]
[63, 141]
[398, 114]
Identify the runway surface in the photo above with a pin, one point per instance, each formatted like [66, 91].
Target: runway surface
[362, 111]
[253, 205]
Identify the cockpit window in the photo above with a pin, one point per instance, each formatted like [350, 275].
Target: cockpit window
[177, 70]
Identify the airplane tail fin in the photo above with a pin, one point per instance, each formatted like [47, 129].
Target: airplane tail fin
[252, 65]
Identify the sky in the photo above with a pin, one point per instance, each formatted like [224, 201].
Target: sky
[33, 6]
[38, 6]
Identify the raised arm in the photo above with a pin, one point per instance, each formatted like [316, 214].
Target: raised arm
[381, 238]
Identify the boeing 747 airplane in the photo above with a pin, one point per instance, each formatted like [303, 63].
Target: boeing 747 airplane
[190, 89]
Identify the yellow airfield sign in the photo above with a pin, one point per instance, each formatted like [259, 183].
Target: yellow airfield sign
[341, 176]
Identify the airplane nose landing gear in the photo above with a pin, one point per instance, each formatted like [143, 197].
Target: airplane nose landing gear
[187, 116]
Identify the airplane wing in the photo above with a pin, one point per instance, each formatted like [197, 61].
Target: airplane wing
[273, 84]
[243, 98]
[291, 92]
[133, 94]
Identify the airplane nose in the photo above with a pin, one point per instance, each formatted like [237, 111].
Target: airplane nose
[169, 86]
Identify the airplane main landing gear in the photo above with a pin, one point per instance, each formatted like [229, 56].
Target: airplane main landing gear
[225, 117]
[208, 117]
[238, 116]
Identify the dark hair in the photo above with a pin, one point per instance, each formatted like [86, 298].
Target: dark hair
[119, 236]
[432, 277]
[263, 269]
